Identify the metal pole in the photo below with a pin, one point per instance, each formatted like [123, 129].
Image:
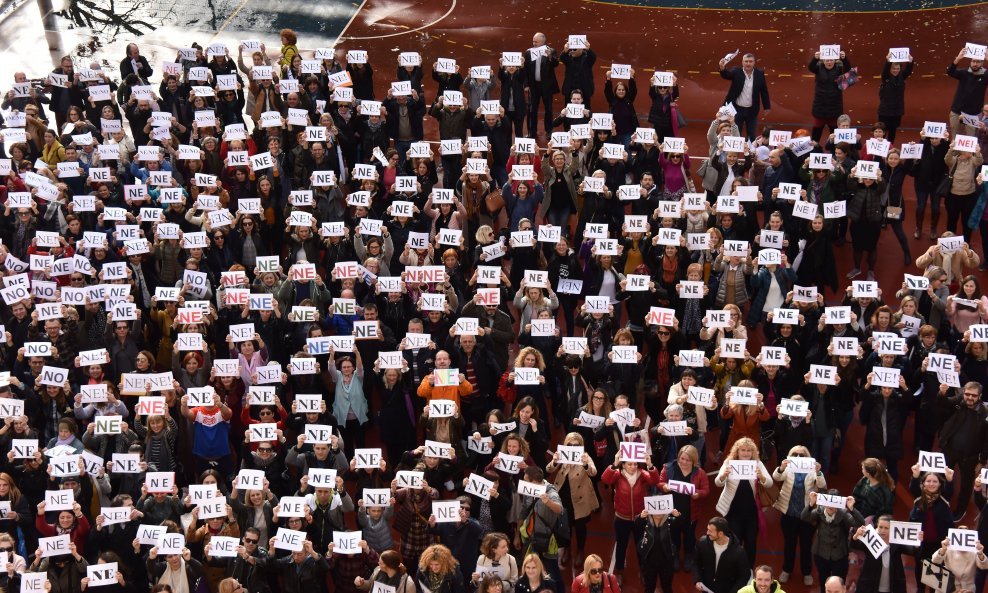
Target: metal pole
[51, 29]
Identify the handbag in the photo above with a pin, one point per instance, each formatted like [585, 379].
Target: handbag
[943, 188]
[689, 180]
[768, 495]
[937, 577]
[494, 201]
[893, 213]
[848, 79]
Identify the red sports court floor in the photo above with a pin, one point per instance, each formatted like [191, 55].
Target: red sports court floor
[689, 42]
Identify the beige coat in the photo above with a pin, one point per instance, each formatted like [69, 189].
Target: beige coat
[582, 493]
[814, 482]
[960, 262]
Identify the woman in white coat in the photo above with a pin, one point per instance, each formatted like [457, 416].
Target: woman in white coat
[738, 501]
[794, 495]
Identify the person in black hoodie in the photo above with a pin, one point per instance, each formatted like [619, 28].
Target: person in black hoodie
[727, 572]
[655, 552]
[892, 95]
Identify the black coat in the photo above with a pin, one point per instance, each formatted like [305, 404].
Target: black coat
[579, 73]
[828, 99]
[892, 92]
[870, 414]
[970, 93]
[513, 86]
[144, 70]
[655, 547]
[728, 575]
[306, 579]
[871, 570]
[759, 88]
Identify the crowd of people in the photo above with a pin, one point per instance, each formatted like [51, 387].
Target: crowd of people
[262, 332]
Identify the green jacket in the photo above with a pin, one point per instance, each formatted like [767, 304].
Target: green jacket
[776, 588]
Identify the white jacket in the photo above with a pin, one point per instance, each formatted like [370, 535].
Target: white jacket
[731, 486]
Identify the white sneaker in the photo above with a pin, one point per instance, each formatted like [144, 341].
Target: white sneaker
[808, 580]
[784, 577]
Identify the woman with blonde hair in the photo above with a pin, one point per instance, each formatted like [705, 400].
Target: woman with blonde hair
[575, 485]
[529, 358]
[496, 559]
[954, 264]
[439, 571]
[739, 502]
[532, 298]
[534, 578]
[794, 496]
[594, 578]
[19, 516]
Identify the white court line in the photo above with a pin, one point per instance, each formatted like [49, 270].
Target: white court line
[613, 559]
[349, 22]
[426, 26]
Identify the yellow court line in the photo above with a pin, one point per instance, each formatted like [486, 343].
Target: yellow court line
[833, 12]
[470, 46]
[751, 31]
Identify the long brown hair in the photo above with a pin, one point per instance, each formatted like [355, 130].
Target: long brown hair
[15, 492]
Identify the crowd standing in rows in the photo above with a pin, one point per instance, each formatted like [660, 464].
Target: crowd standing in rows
[221, 275]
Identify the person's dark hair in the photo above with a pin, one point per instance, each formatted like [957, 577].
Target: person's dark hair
[843, 147]
[392, 560]
[764, 568]
[720, 524]
[534, 473]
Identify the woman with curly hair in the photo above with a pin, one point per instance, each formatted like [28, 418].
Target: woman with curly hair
[738, 501]
[529, 358]
[439, 571]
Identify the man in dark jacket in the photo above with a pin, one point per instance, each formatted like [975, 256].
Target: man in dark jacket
[454, 121]
[476, 362]
[301, 572]
[135, 63]
[495, 324]
[969, 97]
[748, 92]
[578, 63]
[404, 121]
[540, 73]
[248, 567]
[964, 439]
[498, 133]
[727, 572]
[462, 538]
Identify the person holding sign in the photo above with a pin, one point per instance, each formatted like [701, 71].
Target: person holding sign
[969, 97]
[748, 92]
[631, 481]
[745, 420]
[211, 434]
[72, 523]
[865, 211]
[664, 113]
[620, 97]
[828, 97]
[962, 564]
[892, 94]
[794, 496]
[931, 508]
[964, 168]
[348, 375]
[685, 479]
[886, 565]
[224, 526]
[962, 438]
[883, 412]
[497, 562]
[655, 549]
[830, 550]
[575, 483]
[560, 170]
[739, 500]
[954, 265]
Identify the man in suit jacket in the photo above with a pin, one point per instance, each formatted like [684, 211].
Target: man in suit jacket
[748, 92]
[728, 573]
[135, 63]
[540, 72]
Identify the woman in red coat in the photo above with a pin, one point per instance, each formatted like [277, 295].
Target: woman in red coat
[631, 486]
[72, 523]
